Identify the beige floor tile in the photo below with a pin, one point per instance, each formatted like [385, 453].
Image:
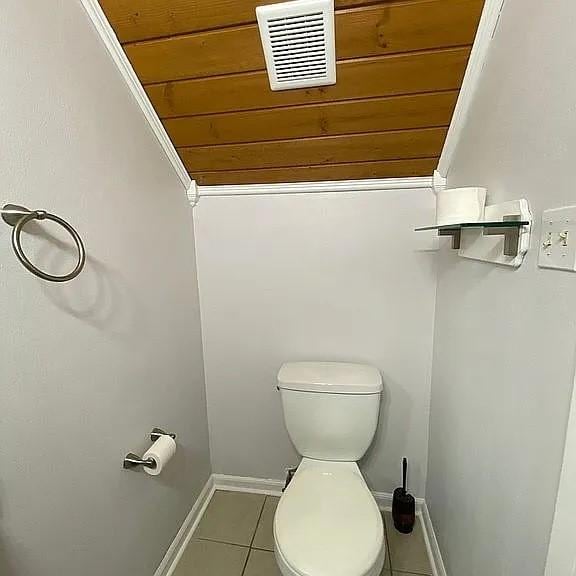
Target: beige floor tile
[205, 558]
[264, 538]
[231, 517]
[387, 570]
[407, 551]
[262, 563]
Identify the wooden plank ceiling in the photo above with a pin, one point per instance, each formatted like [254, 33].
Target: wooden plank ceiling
[400, 67]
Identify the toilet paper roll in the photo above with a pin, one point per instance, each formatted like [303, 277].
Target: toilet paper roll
[459, 205]
[161, 452]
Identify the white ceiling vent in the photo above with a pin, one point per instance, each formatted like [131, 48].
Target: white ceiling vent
[298, 40]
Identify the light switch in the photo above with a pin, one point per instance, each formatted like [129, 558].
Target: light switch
[558, 239]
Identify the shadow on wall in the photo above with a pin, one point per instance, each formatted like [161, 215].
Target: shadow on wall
[99, 296]
[400, 425]
[383, 421]
[7, 566]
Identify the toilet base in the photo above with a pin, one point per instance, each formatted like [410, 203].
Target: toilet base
[288, 571]
[328, 506]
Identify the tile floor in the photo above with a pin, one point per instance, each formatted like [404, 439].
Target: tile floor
[234, 538]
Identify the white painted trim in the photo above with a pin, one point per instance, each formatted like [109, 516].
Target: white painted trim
[338, 186]
[438, 182]
[121, 61]
[251, 485]
[434, 553]
[561, 559]
[273, 487]
[176, 549]
[193, 193]
[384, 501]
[478, 56]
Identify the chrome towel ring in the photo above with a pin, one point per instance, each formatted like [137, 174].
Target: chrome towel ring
[18, 217]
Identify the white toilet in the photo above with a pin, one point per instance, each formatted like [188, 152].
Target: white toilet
[327, 522]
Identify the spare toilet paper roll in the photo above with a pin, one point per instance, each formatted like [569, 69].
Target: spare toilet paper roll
[460, 205]
[161, 452]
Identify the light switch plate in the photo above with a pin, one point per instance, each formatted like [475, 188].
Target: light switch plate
[558, 239]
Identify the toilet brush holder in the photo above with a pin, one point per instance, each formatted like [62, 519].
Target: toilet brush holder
[403, 505]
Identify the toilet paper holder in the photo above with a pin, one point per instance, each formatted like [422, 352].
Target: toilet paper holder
[132, 460]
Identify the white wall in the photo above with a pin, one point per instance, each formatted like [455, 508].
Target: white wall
[315, 277]
[562, 552]
[505, 340]
[88, 368]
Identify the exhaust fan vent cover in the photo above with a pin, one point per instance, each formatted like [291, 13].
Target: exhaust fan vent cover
[298, 41]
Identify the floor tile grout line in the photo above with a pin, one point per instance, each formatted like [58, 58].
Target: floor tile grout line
[254, 535]
[246, 561]
[258, 522]
[261, 549]
[204, 539]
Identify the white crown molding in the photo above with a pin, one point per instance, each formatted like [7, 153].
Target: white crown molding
[121, 61]
[193, 193]
[438, 182]
[478, 56]
[338, 186]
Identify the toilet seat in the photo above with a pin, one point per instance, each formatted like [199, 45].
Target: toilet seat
[328, 524]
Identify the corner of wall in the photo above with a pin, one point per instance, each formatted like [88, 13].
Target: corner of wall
[112, 44]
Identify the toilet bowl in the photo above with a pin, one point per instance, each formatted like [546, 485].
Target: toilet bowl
[327, 522]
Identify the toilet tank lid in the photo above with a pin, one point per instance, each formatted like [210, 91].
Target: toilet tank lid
[330, 378]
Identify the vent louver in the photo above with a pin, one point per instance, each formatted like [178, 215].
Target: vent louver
[298, 42]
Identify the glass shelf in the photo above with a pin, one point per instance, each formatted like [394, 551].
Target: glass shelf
[509, 228]
[496, 224]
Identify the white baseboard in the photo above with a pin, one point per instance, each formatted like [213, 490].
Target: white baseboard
[434, 554]
[176, 549]
[384, 501]
[252, 485]
[271, 487]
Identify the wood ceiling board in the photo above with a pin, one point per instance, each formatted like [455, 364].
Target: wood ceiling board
[135, 20]
[348, 117]
[424, 143]
[360, 32]
[365, 78]
[400, 66]
[354, 171]
[406, 27]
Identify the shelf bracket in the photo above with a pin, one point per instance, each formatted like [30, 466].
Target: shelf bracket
[511, 235]
[455, 234]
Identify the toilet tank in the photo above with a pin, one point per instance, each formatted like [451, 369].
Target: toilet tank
[330, 408]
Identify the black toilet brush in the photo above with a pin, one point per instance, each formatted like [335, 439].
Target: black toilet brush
[403, 505]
